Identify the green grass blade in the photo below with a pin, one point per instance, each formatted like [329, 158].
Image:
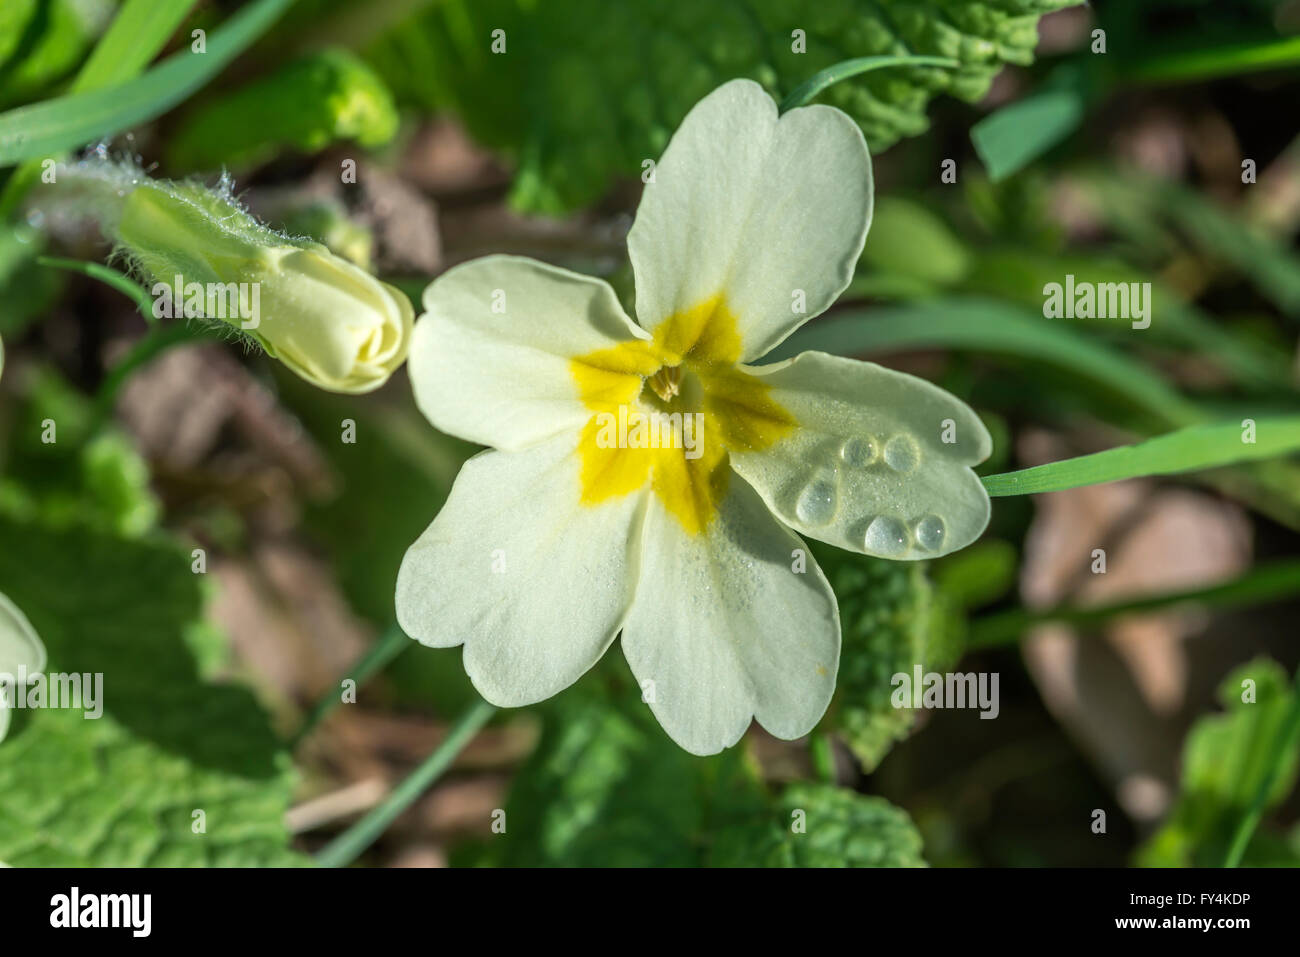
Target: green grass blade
[992, 327]
[806, 91]
[1218, 61]
[53, 126]
[1263, 583]
[1195, 447]
[349, 845]
[140, 29]
[132, 40]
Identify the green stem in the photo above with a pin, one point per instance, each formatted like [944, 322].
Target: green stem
[1261, 584]
[349, 845]
[155, 341]
[1285, 742]
[110, 277]
[377, 657]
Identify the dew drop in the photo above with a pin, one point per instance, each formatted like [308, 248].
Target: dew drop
[901, 453]
[858, 452]
[930, 531]
[886, 536]
[818, 501]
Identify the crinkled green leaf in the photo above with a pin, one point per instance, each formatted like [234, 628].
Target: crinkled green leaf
[305, 105]
[586, 90]
[891, 620]
[820, 825]
[607, 788]
[122, 790]
[1225, 760]
[85, 475]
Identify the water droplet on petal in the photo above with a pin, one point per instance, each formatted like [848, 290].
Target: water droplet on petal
[930, 531]
[886, 536]
[858, 452]
[901, 453]
[818, 501]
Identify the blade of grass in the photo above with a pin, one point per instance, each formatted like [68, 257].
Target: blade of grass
[1185, 450]
[349, 845]
[991, 327]
[815, 84]
[133, 39]
[1262, 583]
[136, 35]
[392, 643]
[1217, 61]
[55, 125]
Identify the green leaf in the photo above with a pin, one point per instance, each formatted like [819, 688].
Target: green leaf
[1221, 235]
[1016, 135]
[885, 619]
[68, 121]
[1226, 760]
[1195, 447]
[607, 787]
[88, 475]
[586, 90]
[977, 575]
[820, 825]
[121, 790]
[910, 242]
[985, 325]
[306, 105]
[40, 43]
[140, 29]
[1021, 274]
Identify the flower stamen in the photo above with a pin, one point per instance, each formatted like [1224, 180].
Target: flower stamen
[667, 382]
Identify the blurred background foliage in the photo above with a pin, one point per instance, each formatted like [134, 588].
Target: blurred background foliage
[202, 534]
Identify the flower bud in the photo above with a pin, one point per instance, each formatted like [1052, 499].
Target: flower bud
[327, 319]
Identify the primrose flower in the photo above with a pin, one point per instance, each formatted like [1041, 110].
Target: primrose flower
[22, 655]
[327, 319]
[596, 513]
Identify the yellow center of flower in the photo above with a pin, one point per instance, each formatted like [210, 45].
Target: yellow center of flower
[668, 412]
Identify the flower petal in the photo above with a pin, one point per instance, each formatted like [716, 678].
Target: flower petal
[20, 648]
[869, 467]
[534, 584]
[727, 629]
[490, 356]
[755, 210]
